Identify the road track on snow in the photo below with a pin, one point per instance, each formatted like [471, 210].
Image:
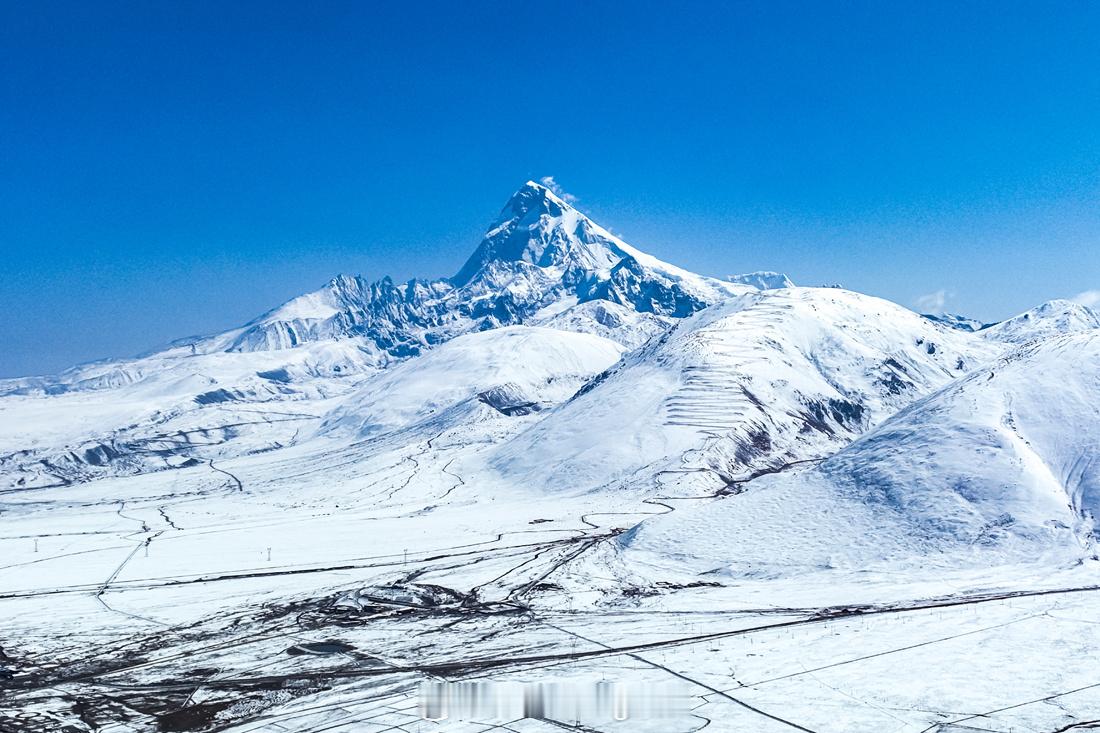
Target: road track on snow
[458, 667]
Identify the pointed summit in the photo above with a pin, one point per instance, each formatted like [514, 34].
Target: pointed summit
[540, 254]
[537, 227]
[532, 196]
[540, 228]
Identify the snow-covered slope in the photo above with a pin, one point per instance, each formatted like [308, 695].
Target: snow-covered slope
[513, 371]
[758, 381]
[619, 323]
[166, 410]
[1052, 318]
[999, 466]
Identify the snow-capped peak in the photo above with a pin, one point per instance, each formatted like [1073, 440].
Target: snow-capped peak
[957, 322]
[762, 280]
[1053, 318]
[539, 228]
[540, 253]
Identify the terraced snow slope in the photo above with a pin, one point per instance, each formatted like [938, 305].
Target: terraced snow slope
[744, 386]
[998, 467]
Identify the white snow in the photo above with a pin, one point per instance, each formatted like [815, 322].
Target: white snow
[1049, 319]
[996, 468]
[762, 280]
[812, 509]
[540, 366]
[767, 378]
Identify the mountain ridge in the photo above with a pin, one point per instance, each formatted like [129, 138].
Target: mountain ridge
[545, 264]
[539, 250]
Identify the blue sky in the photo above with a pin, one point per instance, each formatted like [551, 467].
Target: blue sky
[171, 169]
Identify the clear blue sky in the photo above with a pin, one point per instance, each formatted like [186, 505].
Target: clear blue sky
[177, 168]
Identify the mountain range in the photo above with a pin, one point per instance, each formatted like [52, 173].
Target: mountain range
[734, 376]
[567, 437]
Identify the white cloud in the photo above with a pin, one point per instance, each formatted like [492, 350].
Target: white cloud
[550, 183]
[934, 303]
[1089, 298]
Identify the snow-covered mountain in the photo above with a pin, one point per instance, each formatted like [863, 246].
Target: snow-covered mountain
[753, 383]
[1052, 318]
[999, 466]
[762, 280]
[954, 320]
[541, 262]
[769, 375]
[726, 377]
[539, 258]
[570, 458]
[540, 254]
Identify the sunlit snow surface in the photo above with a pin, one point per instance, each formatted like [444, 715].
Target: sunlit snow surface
[806, 508]
[312, 587]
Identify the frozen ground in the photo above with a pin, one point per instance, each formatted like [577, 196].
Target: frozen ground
[178, 601]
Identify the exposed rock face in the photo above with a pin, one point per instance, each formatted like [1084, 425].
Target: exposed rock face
[539, 252]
